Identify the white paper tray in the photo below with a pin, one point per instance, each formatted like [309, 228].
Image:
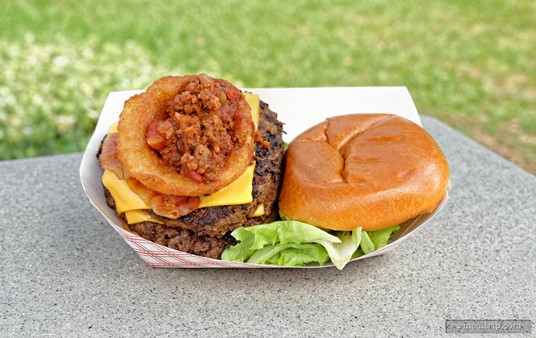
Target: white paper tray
[299, 109]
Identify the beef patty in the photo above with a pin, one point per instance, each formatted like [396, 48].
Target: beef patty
[206, 231]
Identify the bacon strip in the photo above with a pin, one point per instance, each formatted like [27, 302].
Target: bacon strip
[108, 159]
[169, 206]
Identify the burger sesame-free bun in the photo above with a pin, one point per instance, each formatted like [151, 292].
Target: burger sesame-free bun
[363, 170]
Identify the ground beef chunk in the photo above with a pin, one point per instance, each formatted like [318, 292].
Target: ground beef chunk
[201, 128]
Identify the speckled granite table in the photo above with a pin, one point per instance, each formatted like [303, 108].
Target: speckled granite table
[65, 272]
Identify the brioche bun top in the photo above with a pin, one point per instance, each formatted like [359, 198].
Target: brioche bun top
[363, 170]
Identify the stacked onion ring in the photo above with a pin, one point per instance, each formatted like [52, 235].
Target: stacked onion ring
[155, 119]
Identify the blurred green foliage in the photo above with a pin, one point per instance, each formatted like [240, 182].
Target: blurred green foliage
[468, 63]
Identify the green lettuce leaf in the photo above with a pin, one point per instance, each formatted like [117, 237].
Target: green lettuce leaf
[291, 255]
[293, 243]
[302, 255]
[380, 237]
[260, 243]
[358, 253]
[373, 240]
[366, 243]
[341, 253]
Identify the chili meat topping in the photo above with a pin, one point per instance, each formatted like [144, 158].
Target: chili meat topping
[201, 128]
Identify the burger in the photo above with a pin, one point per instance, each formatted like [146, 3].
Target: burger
[191, 159]
[199, 166]
[349, 183]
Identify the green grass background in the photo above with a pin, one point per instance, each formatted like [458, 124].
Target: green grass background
[471, 64]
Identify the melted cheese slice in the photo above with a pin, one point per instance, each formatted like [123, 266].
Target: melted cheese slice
[125, 199]
[236, 193]
[254, 102]
[113, 128]
[138, 216]
[259, 211]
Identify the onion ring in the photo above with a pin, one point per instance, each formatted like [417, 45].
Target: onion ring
[155, 171]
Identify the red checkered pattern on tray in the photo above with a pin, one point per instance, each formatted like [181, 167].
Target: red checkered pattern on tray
[159, 256]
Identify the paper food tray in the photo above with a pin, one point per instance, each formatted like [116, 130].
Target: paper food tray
[298, 109]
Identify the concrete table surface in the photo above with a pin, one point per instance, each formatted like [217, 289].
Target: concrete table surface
[66, 272]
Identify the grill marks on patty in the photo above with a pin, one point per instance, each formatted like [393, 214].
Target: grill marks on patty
[205, 231]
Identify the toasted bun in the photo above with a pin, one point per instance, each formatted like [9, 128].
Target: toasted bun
[368, 170]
